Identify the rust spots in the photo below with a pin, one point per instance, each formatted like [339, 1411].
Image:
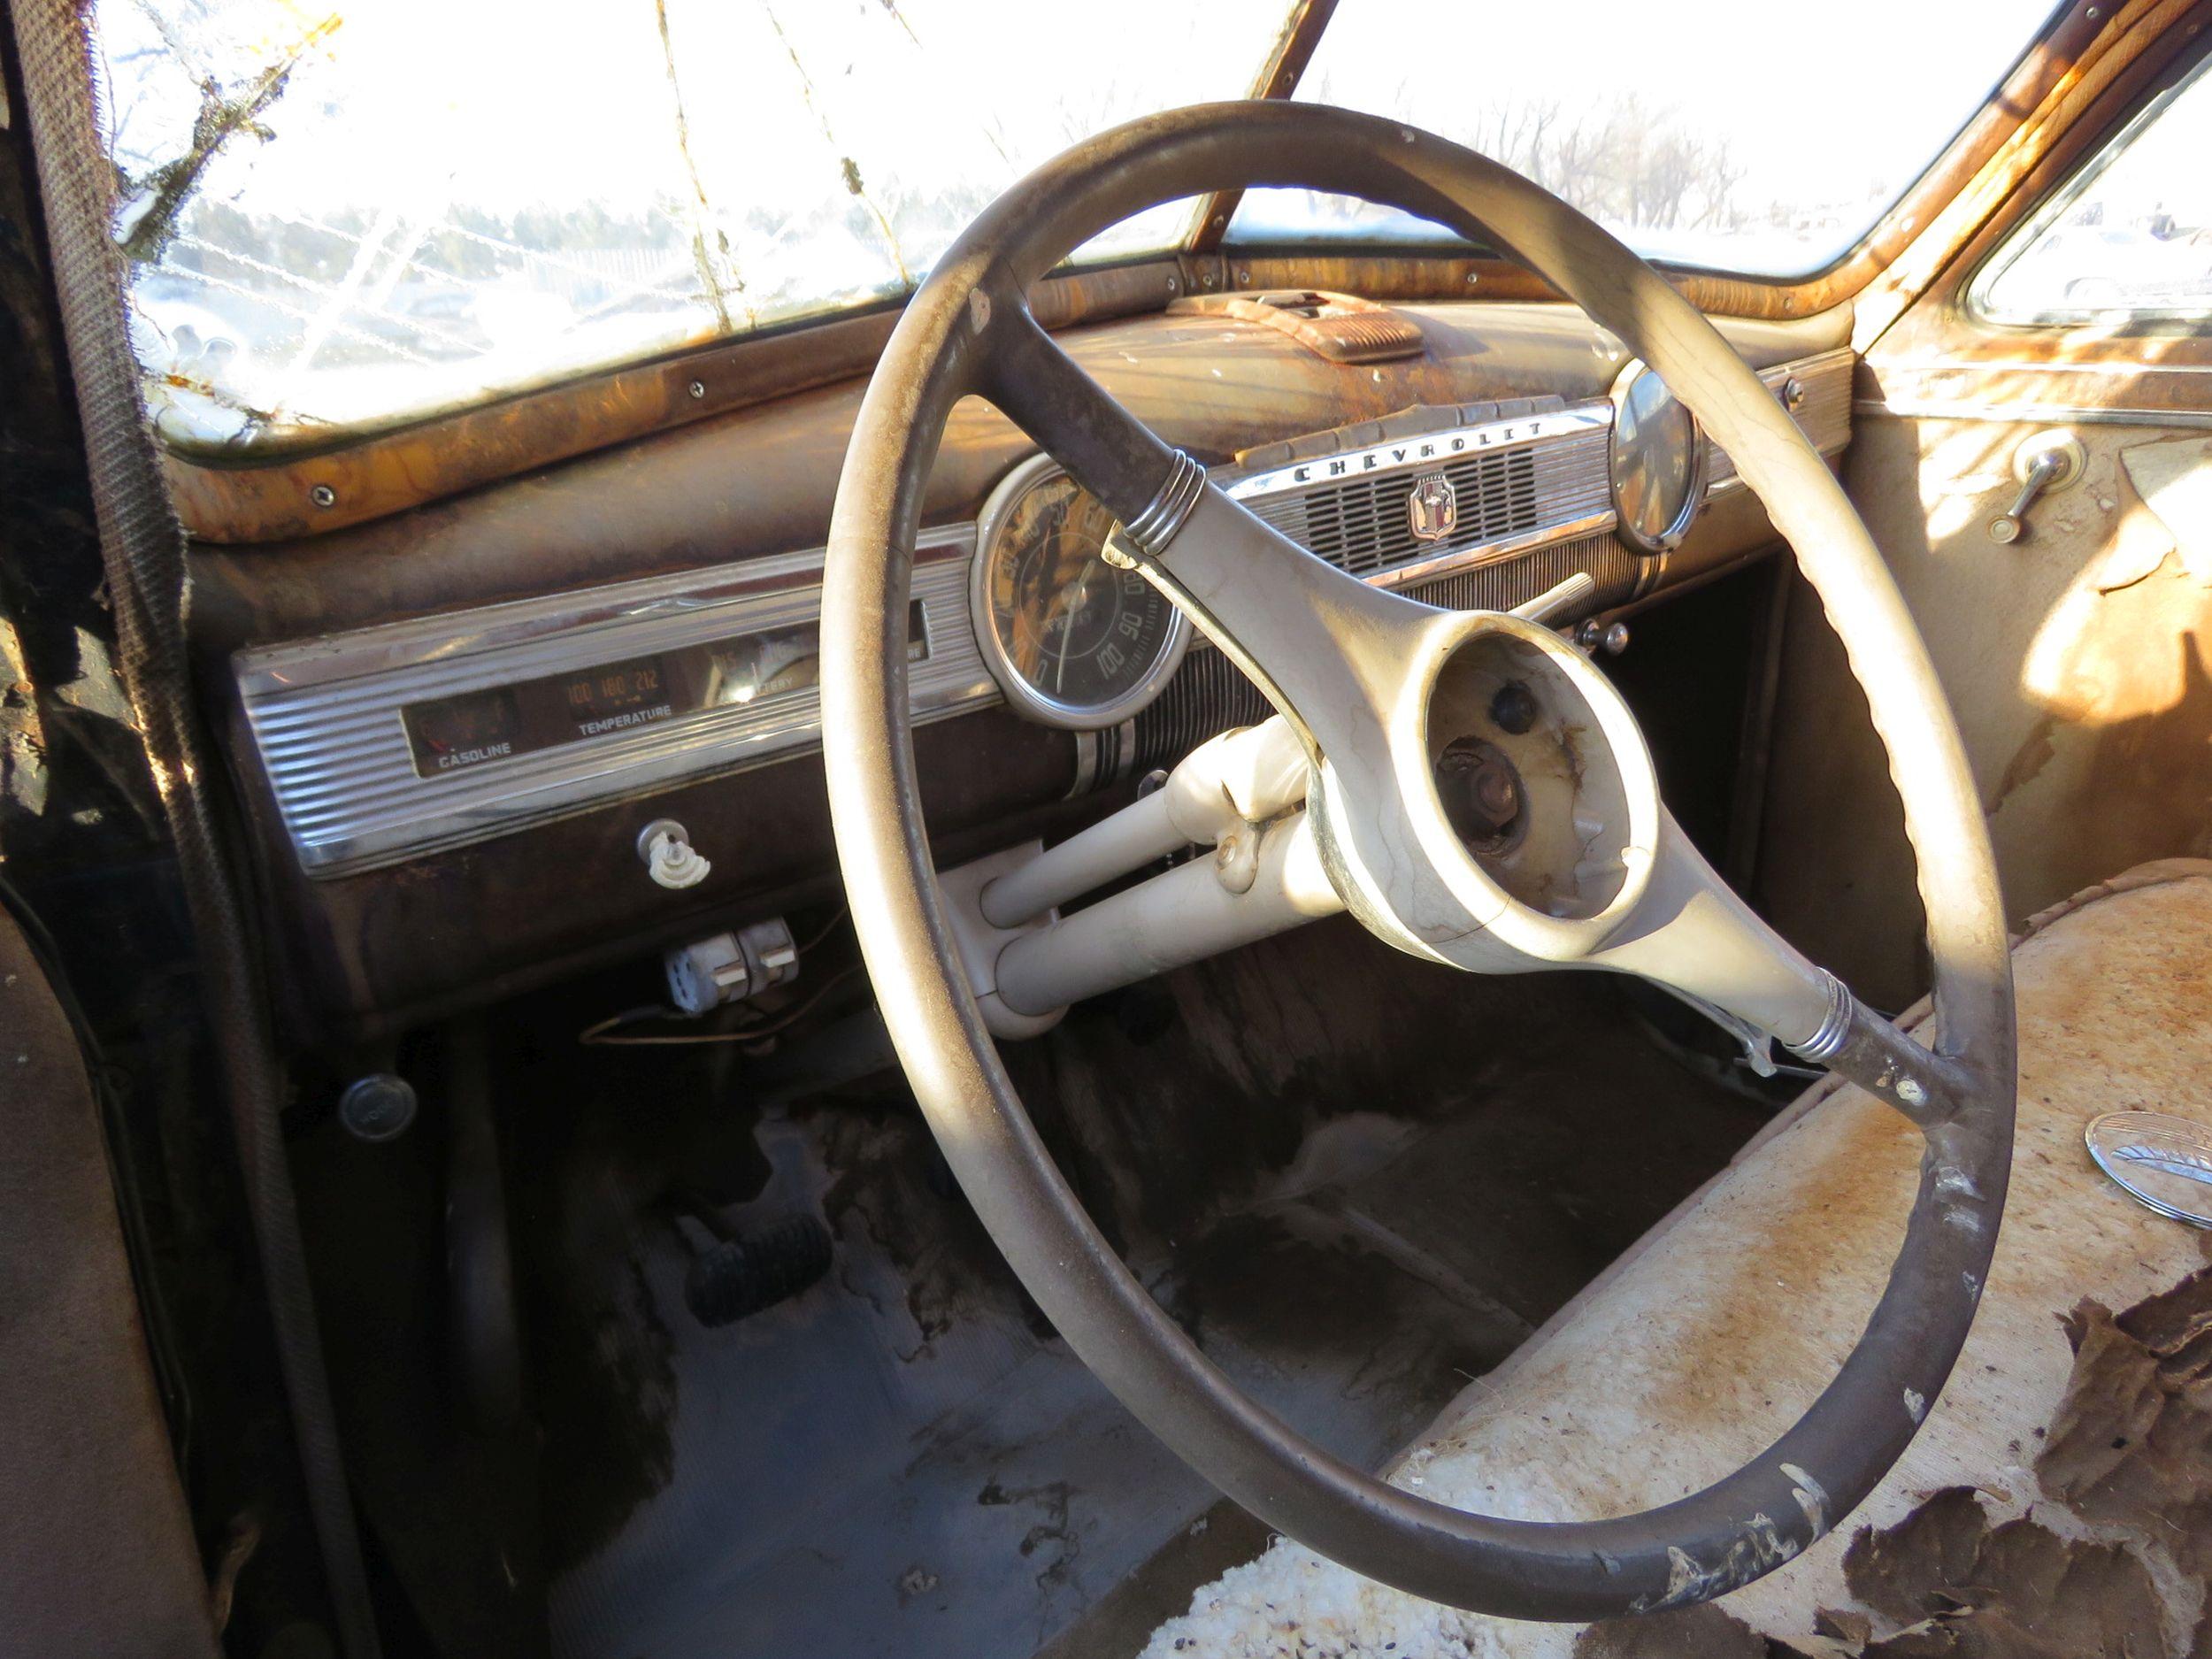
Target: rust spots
[2116, 1563]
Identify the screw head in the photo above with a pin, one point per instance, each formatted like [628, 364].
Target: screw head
[697, 388]
[323, 495]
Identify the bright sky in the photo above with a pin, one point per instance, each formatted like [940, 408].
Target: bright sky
[1820, 102]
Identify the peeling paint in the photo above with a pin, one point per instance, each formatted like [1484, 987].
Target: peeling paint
[1811, 1496]
[1757, 1549]
[1954, 1183]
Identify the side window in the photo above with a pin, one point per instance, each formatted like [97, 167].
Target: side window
[2129, 237]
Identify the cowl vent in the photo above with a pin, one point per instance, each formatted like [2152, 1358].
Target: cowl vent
[1341, 327]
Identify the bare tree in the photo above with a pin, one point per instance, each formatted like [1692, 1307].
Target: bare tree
[1623, 160]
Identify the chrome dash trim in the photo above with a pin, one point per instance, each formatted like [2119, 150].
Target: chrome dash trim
[1491, 552]
[2033, 414]
[1523, 481]
[1427, 449]
[1826, 417]
[325, 714]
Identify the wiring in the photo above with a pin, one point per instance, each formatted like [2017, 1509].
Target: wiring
[826, 930]
[604, 1034]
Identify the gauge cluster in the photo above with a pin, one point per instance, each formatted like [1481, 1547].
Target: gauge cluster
[1072, 641]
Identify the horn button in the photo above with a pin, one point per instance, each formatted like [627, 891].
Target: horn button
[1526, 778]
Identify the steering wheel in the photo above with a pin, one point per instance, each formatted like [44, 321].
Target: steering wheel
[1376, 686]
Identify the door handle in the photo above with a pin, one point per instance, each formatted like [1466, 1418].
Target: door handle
[2049, 460]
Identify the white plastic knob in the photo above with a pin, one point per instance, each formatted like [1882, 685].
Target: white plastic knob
[669, 858]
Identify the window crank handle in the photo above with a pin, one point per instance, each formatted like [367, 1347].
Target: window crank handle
[2051, 466]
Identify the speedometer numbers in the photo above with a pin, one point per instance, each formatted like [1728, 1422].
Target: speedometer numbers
[1074, 641]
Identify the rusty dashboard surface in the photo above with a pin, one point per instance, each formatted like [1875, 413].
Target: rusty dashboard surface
[430, 716]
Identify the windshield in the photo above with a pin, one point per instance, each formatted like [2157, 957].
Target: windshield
[1735, 136]
[340, 220]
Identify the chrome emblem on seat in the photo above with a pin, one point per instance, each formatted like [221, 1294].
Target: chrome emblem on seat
[2162, 1163]
[1432, 509]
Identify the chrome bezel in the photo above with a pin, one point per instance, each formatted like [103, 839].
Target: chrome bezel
[1693, 496]
[326, 715]
[1024, 698]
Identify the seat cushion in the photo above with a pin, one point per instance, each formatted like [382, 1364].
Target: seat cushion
[1715, 1333]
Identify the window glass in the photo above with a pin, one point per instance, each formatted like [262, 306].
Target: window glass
[336, 219]
[2131, 236]
[1735, 136]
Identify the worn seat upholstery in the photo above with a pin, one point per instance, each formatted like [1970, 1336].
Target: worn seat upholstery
[1717, 1329]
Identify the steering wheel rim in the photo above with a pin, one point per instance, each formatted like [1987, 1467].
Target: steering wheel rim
[968, 330]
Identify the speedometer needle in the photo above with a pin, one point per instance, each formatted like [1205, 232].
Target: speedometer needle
[1076, 602]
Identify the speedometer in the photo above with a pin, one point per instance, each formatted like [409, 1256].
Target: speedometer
[1073, 640]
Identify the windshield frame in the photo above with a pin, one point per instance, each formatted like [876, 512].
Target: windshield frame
[288, 485]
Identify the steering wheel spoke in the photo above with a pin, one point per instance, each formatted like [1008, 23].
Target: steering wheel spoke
[1329, 652]
[1693, 934]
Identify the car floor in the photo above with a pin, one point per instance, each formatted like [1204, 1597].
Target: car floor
[1357, 1181]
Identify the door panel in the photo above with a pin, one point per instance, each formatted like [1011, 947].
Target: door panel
[2079, 657]
[2080, 661]
[96, 1552]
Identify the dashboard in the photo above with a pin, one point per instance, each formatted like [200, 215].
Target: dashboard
[416, 776]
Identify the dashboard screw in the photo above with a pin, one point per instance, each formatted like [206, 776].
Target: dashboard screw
[323, 495]
[697, 388]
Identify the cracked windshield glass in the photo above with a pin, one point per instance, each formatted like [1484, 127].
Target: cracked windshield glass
[1732, 136]
[340, 219]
